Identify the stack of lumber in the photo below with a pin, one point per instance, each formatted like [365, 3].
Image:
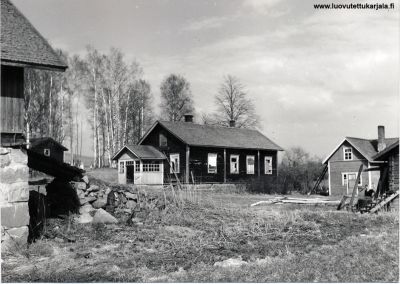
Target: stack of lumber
[296, 200]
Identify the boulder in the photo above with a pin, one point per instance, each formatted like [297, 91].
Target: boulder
[93, 188]
[85, 179]
[108, 190]
[102, 216]
[79, 185]
[88, 199]
[132, 196]
[100, 203]
[81, 193]
[84, 218]
[230, 262]
[130, 204]
[87, 208]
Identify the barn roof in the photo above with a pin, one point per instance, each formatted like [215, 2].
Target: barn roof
[367, 147]
[35, 142]
[22, 44]
[143, 152]
[217, 136]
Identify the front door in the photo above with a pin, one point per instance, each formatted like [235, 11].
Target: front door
[130, 174]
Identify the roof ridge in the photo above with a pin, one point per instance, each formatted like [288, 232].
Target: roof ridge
[209, 125]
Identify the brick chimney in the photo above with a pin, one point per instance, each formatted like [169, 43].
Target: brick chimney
[188, 117]
[381, 138]
[232, 123]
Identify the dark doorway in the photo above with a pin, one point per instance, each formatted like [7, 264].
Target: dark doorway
[130, 174]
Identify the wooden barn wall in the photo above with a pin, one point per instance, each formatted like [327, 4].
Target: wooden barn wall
[394, 170]
[12, 99]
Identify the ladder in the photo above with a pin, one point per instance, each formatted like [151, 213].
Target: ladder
[320, 178]
[384, 202]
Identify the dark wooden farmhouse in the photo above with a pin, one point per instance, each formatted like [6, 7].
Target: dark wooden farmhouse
[390, 168]
[48, 147]
[212, 154]
[344, 161]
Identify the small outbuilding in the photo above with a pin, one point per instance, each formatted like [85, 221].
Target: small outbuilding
[140, 164]
[48, 147]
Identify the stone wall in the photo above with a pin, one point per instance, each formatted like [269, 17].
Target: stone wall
[14, 195]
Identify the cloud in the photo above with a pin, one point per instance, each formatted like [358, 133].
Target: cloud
[207, 23]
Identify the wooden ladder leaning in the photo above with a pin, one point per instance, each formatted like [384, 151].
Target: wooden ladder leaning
[384, 202]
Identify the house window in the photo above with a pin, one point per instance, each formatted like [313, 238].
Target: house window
[121, 167]
[151, 167]
[348, 153]
[47, 152]
[268, 165]
[137, 166]
[350, 176]
[212, 163]
[163, 141]
[234, 164]
[174, 160]
[250, 165]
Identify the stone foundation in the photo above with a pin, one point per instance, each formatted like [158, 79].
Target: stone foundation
[14, 196]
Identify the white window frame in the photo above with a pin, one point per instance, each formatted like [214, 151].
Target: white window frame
[166, 140]
[347, 178]
[344, 153]
[269, 171]
[247, 164]
[231, 164]
[208, 163]
[137, 166]
[46, 152]
[121, 167]
[172, 157]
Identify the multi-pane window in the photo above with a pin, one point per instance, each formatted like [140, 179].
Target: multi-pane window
[121, 167]
[268, 165]
[348, 153]
[137, 166]
[46, 152]
[174, 160]
[163, 141]
[212, 163]
[151, 167]
[250, 165]
[234, 164]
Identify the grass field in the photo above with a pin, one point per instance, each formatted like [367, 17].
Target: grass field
[276, 243]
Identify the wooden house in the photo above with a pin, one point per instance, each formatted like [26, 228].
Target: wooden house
[390, 167]
[22, 46]
[48, 147]
[344, 161]
[138, 164]
[212, 154]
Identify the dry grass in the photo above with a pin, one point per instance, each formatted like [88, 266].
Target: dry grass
[182, 243]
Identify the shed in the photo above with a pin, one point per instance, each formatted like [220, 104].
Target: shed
[48, 147]
[140, 164]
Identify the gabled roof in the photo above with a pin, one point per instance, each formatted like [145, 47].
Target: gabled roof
[386, 151]
[367, 147]
[216, 136]
[21, 44]
[35, 142]
[143, 152]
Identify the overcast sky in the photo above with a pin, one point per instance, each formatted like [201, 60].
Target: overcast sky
[315, 76]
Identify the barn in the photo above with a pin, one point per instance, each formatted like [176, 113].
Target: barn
[212, 154]
[139, 164]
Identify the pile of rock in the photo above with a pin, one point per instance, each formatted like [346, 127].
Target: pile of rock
[97, 202]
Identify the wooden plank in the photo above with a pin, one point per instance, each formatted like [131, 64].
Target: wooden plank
[384, 202]
[355, 187]
[224, 165]
[187, 164]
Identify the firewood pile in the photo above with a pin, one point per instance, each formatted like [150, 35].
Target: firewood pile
[101, 202]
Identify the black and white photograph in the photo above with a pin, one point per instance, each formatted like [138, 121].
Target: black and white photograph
[200, 141]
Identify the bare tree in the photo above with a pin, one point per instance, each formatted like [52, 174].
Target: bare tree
[233, 104]
[176, 98]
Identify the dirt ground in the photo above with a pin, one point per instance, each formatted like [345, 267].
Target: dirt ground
[217, 237]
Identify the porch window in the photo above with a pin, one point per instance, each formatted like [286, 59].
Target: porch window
[46, 152]
[137, 166]
[151, 167]
[268, 165]
[175, 163]
[121, 167]
[348, 153]
[163, 141]
[212, 163]
[250, 165]
[234, 164]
